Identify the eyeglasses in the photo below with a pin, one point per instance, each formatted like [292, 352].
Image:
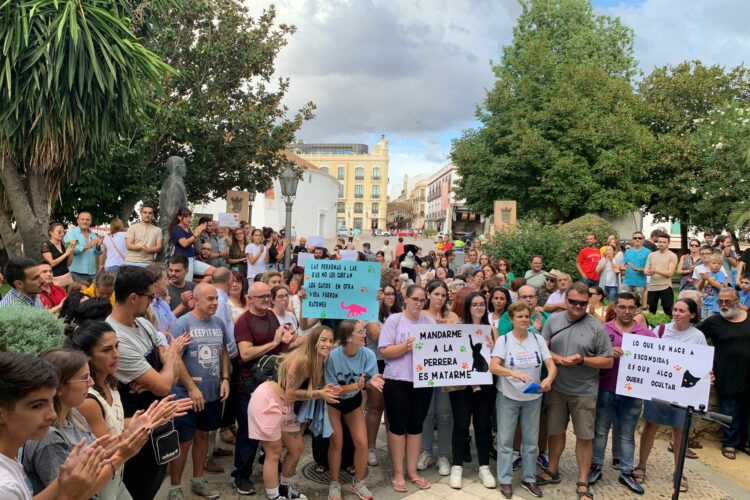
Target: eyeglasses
[262, 297]
[150, 296]
[551, 280]
[637, 237]
[417, 300]
[626, 308]
[85, 380]
[694, 246]
[478, 305]
[727, 302]
[578, 303]
[389, 294]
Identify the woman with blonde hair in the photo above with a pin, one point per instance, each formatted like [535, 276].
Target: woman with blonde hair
[270, 414]
[114, 246]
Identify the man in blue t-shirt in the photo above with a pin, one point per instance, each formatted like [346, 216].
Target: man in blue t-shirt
[633, 264]
[204, 377]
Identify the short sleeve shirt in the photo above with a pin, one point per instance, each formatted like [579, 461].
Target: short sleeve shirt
[175, 294]
[588, 258]
[259, 266]
[135, 343]
[585, 337]
[179, 232]
[258, 330]
[527, 356]
[142, 234]
[396, 329]
[202, 357]
[661, 261]
[12, 480]
[638, 259]
[608, 379]
[343, 370]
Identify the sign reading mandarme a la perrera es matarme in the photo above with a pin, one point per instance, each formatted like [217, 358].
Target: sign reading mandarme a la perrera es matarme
[447, 355]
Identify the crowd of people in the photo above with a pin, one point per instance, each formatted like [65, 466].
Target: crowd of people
[189, 346]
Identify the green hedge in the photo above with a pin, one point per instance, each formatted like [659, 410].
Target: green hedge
[29, 330]
[557, 244]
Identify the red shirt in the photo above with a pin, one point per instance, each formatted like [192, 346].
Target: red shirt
[258, 330]
[53, 298]
[588, 258]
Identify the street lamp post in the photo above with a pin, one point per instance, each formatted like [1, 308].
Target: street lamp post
[250, 200]
[288, 181]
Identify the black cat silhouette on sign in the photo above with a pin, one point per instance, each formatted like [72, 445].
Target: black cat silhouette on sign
[688, 380]
[479, 364]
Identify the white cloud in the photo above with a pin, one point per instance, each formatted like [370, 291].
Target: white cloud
[415, 70]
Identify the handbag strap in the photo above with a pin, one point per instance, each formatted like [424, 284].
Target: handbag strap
[115, 245]
[567, 327]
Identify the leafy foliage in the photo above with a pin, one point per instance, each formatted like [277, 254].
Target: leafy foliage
[220, 111]
[559, 129]
[29, 330]
[557, 244]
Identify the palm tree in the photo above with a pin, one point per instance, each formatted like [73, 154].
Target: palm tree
[71, 74]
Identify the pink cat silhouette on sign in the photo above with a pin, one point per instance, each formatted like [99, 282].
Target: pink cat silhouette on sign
[354, 310]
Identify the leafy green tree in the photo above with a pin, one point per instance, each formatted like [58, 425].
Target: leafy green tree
[559, 130]
[72, 74]
[221, 112]
[677, 101]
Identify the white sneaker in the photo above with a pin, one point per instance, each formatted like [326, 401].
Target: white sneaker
[457, 477]
[424, 460]
[444, 466]
[485, 475]
[372, 457]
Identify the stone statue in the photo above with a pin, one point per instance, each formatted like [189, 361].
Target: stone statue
[173, 194]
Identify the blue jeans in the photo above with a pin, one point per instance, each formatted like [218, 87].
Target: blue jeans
[440, 410]
[589, 282]
[611, 293]
[244, 448]
[627, 411]
[736, 406]
[113, 269]
[509, 413]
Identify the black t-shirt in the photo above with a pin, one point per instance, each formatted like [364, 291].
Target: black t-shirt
[650, 245]
[175, 294]
[731, 355]
[745, 257]
[62, 267]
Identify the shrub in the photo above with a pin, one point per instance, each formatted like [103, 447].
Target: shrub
[29, 330]
[429, 233]
[573, 233]
[528, 237]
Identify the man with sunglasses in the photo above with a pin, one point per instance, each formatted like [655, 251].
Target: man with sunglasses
[257, 332]
[580, 348]
[633, 265]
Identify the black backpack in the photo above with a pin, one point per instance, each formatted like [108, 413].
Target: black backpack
[267, 368]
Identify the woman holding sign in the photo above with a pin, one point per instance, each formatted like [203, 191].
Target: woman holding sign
[685, 314]
[475, 402]
[517, 361]
[405, 405]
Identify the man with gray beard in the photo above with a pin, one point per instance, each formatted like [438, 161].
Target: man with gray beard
[729, 332]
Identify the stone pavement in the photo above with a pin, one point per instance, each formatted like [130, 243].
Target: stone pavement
[705, 483]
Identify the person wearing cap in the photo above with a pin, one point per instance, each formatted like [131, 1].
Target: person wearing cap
[550, 285]
[556, 300]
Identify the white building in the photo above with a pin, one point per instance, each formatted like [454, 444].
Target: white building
[314, 210]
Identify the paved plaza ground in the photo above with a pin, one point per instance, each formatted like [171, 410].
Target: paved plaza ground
[710, 477]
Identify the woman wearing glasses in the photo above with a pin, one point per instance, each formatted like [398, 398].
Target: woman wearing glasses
[405, 405]
[183, 239]
[475, 402]
[687, 264]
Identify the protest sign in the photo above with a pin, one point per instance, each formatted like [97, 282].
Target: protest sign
[341, 289]
[445, 355]
[303, 258]
[348, 254]
[665, 369]
[229, 219]
[316, 241]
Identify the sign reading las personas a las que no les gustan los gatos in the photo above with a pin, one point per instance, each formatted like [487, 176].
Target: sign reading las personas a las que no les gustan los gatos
[339, 289]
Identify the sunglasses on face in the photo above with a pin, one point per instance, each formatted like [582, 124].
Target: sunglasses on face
[578, 303]
[637, 237]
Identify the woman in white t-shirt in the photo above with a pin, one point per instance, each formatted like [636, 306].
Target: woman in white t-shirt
[114, 246]
[609, 271]
[257, 255]
[517, 360]
[280, 307]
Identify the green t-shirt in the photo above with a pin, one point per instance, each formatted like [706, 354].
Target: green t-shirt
[504, 325]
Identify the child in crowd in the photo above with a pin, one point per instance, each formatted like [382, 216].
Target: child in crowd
[745, 291]
[710, 284]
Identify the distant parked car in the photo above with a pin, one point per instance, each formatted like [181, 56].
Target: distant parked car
[385, 233]
[343, 232]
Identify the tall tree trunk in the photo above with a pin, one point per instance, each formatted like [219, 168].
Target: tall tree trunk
[29, 204]
[11, 239]
[127, 211]
[683, 236]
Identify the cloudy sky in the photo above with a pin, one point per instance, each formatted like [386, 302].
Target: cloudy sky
[415, 70]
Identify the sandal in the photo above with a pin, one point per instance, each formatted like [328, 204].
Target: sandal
[729, 452]
[688, 453]
[228, 436]
[695, 444]
[399, 485]
[683, 485]
[584, 494]
[420, 482]
[554, 478]
[639, 474]
[320, 469]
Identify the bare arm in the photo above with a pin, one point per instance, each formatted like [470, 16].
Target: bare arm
[601, 362]
[248, 351]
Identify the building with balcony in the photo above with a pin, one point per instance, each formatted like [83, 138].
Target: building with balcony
[408, 209]
[361, 200]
